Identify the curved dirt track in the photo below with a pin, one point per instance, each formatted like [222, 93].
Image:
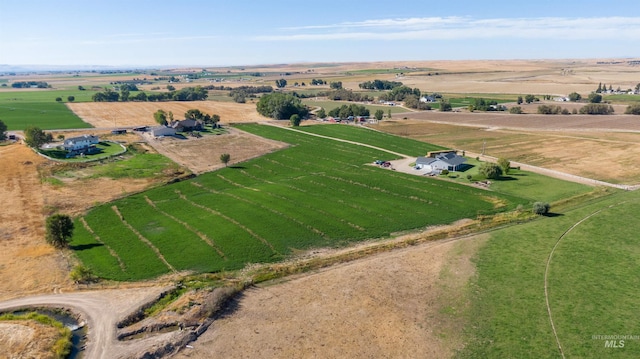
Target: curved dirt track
[100, 310]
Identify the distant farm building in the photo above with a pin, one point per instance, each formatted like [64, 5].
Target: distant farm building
[119, 132]
[426, 99]
[437, 161]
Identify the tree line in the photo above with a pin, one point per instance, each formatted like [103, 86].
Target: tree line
[186, 94]
[380, 85]
[28, 84]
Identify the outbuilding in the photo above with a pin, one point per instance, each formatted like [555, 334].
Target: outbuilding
[162, 131]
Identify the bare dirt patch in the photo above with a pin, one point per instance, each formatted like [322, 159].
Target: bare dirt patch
[203, 154]
[123, 114]
[389, 305]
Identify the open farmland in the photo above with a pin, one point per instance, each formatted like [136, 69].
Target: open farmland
[560, 143]
[120, 114]
[591, 284]
[19, 109]
[270, 207]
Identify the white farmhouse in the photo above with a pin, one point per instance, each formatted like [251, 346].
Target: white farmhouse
[80, 143]
[439, 161]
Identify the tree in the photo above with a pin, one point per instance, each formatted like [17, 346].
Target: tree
[596, 109]
[504, 164]
[161, 117]
[321, 113]
[281, 83]
[599, 89]
[80, 88]
[295, 120]
[59, 230]
[3, 131]
[594, 98]
[58, 99]
[71, 98]
[515, 110]
[280, 106]
[379, 114]
[574, 96]
[519, 100]
[124, 94]
[445, 106]
[215, 118]
[225, 158]
[171, 88]
[490, 170]
[541, 208]
[530, 98]
[35, 137]
[336, 85]
[194, 114]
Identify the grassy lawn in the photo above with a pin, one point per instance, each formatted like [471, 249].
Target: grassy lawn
[135, 163]
[264, 209]
[106, 150]
[592, 283]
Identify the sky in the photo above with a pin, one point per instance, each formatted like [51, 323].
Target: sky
[161, 33]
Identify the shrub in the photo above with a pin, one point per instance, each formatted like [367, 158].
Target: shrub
[444, 172]
[517, 110]
[633, 109]
[82, 274]
[541, 208]
[469, 177]
[597, 109]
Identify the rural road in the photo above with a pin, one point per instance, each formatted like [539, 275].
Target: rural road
[100, 310]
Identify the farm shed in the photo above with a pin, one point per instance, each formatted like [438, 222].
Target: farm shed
[441, 161]
[162, 131]
[80, 143]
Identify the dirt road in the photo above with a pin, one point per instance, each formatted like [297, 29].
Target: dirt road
[101, 310]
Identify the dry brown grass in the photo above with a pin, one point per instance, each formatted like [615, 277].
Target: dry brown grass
[120, 114]
[27, 339]
[557, 142]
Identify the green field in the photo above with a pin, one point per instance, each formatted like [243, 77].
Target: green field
[267, 208]
[592, 285]
[19, 109]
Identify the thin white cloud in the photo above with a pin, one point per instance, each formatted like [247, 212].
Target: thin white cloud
[111, 40]
[452, 28]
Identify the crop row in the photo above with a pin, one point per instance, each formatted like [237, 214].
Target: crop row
[317, 193]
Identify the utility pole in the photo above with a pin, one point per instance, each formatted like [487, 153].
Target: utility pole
[484, 144]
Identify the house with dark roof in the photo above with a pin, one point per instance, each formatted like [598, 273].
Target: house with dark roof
[441, 161]
[187, 125]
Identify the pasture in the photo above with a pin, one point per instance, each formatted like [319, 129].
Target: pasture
[270, 207]
[19, 109]
[591, 285]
